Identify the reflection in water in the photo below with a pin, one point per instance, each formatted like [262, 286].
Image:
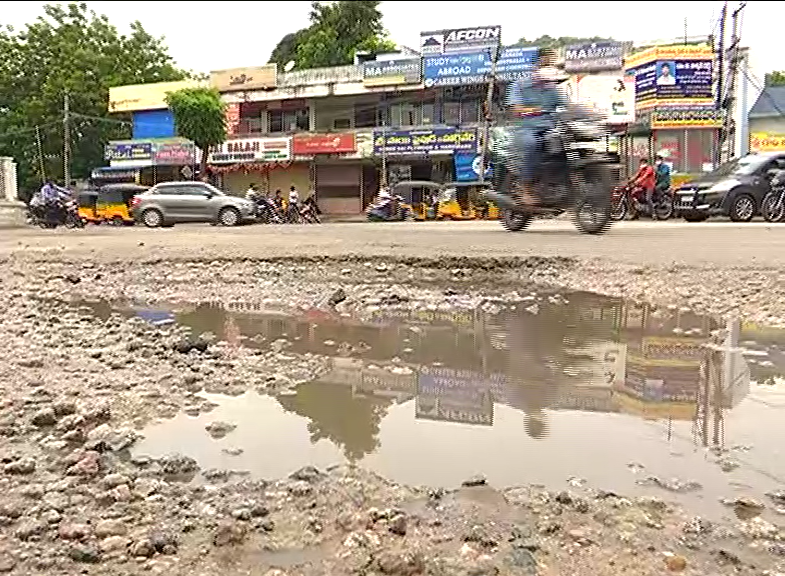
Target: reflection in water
[562, 371]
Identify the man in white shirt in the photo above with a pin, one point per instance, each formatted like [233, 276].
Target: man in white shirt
[294, 196]
[666, 77]
[292, 207]
[251, 193]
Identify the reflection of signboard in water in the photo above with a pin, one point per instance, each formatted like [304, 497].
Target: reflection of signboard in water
[459, 317]
[377, 380]
[586, 399]
[479, 412]
[607, 365]
[666, 370]
[457, 395]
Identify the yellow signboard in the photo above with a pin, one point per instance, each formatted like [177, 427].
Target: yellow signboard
[654, 410]
[137, 97]
[253, 78]
[677, 52]
[765, 142]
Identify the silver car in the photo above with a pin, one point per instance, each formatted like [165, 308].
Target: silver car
[173, 202]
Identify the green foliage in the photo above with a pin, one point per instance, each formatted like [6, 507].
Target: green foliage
[200, 116]
[69, 49]
[337, 31]
[774, 78]
[560, 42]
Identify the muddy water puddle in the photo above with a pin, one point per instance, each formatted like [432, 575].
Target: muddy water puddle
[577, 389]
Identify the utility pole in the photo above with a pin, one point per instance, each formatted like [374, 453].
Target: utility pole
[727, 135]
[720, 77]
[486, 127]
[66, 142]
[41, 167]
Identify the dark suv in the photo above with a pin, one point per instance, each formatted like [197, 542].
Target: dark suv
[173, 202]
[735, 189]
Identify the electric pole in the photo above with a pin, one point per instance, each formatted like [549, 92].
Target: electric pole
[720, 78]
[727, 136]
[486, 127]
[66, 142]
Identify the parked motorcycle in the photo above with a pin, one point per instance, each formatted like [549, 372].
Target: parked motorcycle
[267, 212]
[389, 209]
[631, 200]
[573, 175]
[773, 206]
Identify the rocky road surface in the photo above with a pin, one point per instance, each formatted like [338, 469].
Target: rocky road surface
[76, 390]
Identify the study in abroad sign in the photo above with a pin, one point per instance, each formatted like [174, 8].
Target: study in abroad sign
[475, 68]
[425, 141]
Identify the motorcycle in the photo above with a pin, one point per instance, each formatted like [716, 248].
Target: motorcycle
[267, 212]
[631, 200]
[773, 206]
[310, 211]
[572, 175]
[389, 209]
[60, 214]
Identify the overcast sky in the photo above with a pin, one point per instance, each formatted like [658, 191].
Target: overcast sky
[206, 36]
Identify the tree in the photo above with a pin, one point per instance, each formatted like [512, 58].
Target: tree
[199, 115]
[337, 31]
[286, 49]
[560, 42]
[70, 49]
[774, 78]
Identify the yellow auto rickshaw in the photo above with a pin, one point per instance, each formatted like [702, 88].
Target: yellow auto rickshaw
[87, 206]
[421, 195]
[113, 203]
[465, 201]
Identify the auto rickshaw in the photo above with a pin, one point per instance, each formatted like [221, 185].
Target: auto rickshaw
[465, 201]
[112, 205]
[87, 206]
[421, 195]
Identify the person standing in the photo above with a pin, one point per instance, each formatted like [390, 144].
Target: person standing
[663, 173]
[293, 204]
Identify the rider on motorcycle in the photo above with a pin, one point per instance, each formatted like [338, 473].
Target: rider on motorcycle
[644, 180]
[54, 198]
[663, 173]
[533, 102]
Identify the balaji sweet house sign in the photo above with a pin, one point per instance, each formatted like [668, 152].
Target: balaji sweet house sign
[252, 150]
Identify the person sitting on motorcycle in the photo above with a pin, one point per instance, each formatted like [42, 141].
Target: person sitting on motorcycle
[53, 198]
[663, 173]
[533, 102]
[644, 179]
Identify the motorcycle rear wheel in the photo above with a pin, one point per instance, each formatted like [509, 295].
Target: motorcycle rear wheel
[515, 221]
[769, 209]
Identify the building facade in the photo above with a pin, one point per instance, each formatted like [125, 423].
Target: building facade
[767, 120]
[343, 131]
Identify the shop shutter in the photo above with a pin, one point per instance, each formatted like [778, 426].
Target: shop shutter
[336, 175]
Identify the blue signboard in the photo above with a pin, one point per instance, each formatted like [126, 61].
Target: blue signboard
[459, 383]
[684, 79]
[129, 151]
[467, 167]
[425, 141]
[474, 68]
[673, 80]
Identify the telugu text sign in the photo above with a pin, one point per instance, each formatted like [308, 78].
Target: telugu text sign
[308, 144]
[475, 68]
[424, 141]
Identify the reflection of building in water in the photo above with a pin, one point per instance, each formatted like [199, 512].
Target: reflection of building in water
[395, 381]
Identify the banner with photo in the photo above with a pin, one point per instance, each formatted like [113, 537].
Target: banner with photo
[673, 75]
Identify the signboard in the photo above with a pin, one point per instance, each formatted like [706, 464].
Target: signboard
[467, 167]
[673, 76]
[475, 68]
[128, 151]
[308, 144]
[174, 153]
[765, 142]
[454, 40]
[145, 96]
[392, 72]
[254, 78]
[611, 96]
[425, 141]
[687, 117]
[594, 57]
[252, 150]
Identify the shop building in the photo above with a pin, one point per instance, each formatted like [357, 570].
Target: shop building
[767, 122]
[147, 161]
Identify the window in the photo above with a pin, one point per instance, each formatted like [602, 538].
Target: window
[429, 113]
[290, 120]
[470, 110]
[404, 114]
[366, 115]
[342, 123]
[451, 112]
